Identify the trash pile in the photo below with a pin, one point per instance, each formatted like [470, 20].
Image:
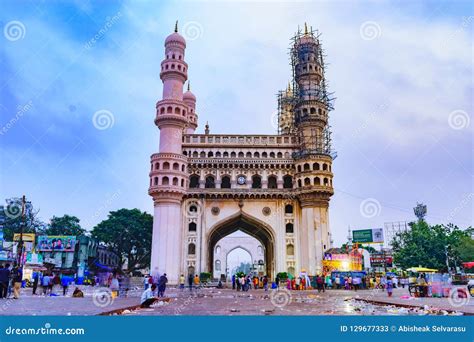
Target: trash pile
[366, 308]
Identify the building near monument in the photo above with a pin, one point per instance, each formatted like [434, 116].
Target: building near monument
[275, 188]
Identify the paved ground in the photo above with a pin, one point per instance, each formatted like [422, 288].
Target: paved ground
[228, 302]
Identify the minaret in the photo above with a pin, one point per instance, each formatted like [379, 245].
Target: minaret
[168, 177]
[313, 160]
[190, 101]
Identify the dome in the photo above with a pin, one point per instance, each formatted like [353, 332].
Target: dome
[189, 96]
[175, 37]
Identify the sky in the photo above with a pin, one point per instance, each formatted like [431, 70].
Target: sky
[80, 79]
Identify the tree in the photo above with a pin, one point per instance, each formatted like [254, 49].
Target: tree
[13, 222]
[127, 232]
[428, 246]
[65, 225]
[465, 249]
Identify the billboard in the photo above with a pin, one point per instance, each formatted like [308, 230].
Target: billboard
[374, 235]
[56, 243]
[28, 241]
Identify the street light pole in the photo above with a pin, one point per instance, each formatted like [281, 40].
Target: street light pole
[22, 223]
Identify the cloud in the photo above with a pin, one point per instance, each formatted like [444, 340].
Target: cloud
[394, 97]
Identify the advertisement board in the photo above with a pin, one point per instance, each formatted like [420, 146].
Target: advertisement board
[56, 243]
[374, 235]
[28, 241]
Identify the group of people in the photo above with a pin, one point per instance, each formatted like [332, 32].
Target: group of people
[246, 282]
[10, 278]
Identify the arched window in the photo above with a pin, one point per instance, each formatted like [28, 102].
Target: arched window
[210, 182]
[279, 155]
[290, 249]
[317, 181]
[326, 182]
[155, 181]
[166, 166]
[299, 168]
[241, 154]
[256, 182]
[218, 154]
[272, 154]
[287, 182]
[256, 155]
[289, 228]
[177, 110]
[210, 154]
[202, 154]
[264, 155]
[157, 166]
[306, 167]
[182, 168]
[218, 265]
[299, 183]
[194, 181]
[169, 110]
[288, 209]
[316, 166]
[233, 154]
[325, 167]
[175, 166]
[248, 155]
[225, 182]
[307, 181]
[218, 249]
[165, 181]
[191, 249]
[182, 182]
[225, 155]
[175, 181]
[192, 226]
[272, 182]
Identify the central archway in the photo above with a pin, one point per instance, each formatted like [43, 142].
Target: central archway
[247, 224]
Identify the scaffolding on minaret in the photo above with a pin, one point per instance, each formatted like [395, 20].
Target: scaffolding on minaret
[303, 43]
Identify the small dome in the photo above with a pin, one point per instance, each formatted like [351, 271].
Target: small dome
[189, 96]
[175, 37]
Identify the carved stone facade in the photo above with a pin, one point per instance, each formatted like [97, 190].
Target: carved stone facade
[275, 188]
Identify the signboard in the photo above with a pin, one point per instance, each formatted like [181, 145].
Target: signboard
[56, 243]
[34, 258]
[1, 238]
[368, 235]
[28, 241]
[381, 260]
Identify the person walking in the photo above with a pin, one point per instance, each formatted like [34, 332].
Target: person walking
[35, 282]
[320, 283]
[182, 281]
[162, 285]
[389, 285]
[64, 284]
[196, 281]
[45, 283]
[190, 281]
[265, 283]
[233, 282]
[17, 277]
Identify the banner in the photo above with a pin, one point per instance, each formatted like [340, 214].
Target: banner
[28, 241]
[34, 258]
[56, 243]
[374, 235]
[1, 238]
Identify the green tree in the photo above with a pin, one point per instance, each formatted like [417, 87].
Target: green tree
[428, 246]
[65, 225]
[127, 232]
[465, 249]
[13, 222]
